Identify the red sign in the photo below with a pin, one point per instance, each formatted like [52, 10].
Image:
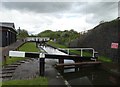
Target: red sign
[114, 45]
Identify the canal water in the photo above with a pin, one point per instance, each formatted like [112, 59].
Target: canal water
[51, 50]
[91, 76]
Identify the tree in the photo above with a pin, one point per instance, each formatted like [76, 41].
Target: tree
[62, 37]
[101, 22]
[22, 33]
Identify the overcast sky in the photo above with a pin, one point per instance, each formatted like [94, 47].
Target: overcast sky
[39, 16]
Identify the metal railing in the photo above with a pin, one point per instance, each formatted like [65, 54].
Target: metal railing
[81, 50]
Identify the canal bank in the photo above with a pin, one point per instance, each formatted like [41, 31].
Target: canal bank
[110, 74]
[85, 76]
[54, 77]
[109, 66]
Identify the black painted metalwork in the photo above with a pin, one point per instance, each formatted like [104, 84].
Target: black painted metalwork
[41, 66]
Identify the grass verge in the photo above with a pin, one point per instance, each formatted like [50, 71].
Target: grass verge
[36, 81]
[27, 47]
[56, 45]
[105, 59]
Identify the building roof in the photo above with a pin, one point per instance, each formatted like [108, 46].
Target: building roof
[7, 24]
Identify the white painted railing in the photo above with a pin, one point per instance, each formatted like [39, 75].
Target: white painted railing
[81, 50]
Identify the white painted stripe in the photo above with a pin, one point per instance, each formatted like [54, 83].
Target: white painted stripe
[67, 84]
[16, 53]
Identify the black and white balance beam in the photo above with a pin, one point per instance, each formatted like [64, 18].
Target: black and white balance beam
[44, 55]
[31, 55]
[26, 54]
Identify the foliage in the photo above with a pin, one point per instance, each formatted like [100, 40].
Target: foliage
[22, 33]
[47, 33]
[61, 37]
[100, 38]
[101, 22]
[39, 81]
[32, 35]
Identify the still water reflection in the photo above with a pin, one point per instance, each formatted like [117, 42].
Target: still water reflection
[89, 76]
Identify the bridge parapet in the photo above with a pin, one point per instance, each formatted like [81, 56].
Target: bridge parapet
[37, 39]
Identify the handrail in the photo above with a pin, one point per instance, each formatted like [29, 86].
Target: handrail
[81, 49]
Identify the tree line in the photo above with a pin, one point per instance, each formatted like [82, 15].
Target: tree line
[61, 37]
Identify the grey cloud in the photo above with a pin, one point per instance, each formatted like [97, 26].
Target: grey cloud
[95, 7]
[119, 8]
[100, 10]
[42, 7]
[59, 7]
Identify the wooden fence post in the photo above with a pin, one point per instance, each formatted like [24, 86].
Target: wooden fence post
[5, 60]
[62, 67]
[76, 66]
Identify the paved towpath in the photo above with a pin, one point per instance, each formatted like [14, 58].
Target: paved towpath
[29, 70]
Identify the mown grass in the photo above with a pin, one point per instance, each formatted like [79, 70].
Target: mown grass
[56, 45]
[27, 47]
[100, 58]
[39, 81]
[105, 59]
[11, 60]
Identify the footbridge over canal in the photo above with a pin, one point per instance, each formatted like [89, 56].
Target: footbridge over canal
[37, 39]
